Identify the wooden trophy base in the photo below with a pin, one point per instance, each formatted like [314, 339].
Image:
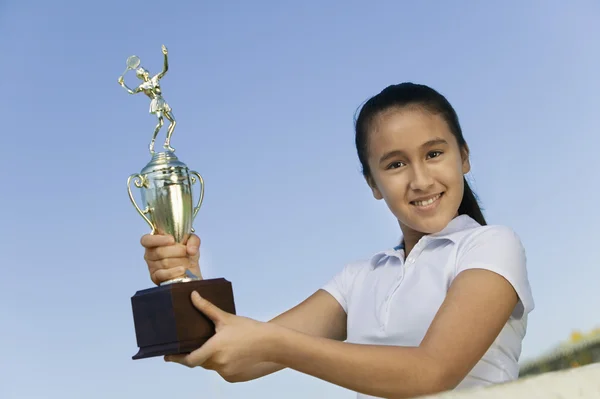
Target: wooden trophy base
[166, 321]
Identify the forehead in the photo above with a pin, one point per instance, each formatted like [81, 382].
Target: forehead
[406, 129]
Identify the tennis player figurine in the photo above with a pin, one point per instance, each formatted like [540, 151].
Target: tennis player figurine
[150, 86]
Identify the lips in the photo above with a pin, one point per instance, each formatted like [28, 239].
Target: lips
[424, 202]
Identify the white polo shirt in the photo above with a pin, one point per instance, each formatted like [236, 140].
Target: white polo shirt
[392, 301]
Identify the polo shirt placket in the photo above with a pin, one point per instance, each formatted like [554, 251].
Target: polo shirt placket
[405, 268]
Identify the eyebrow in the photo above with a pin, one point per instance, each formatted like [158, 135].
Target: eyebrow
[430, 143]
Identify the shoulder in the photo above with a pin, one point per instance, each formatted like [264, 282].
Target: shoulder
[341, 284]
[498, 237]
[486, 243]
[350, 271]
[499, 249]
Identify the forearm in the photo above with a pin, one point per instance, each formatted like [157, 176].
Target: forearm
[319, 315]
[384, 371]
[266, 368]
[165, 67]
[258, 371]
[127, 89]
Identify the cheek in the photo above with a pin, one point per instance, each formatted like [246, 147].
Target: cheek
[393, 186]
[453, 177]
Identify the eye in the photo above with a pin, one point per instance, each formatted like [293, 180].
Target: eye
[434, 154]
[395, 165]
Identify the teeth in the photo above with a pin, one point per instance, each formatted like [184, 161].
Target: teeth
[427, 202]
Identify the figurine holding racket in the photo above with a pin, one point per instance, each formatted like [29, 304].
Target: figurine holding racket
[150, 86]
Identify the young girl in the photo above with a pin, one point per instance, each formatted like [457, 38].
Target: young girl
[446, 308]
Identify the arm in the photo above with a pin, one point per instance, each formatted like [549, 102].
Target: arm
[122, 83]
[165, 63]
[478, 301]
[320, 315]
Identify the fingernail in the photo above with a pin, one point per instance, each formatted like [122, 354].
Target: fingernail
[167, 358]
[195, 294]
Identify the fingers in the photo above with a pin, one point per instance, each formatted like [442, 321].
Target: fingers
[181, 359]
[160, 275]
[184, 360]
[156, 240]
[168, 259]
[160, 253]
[159, 247]
[199, 357]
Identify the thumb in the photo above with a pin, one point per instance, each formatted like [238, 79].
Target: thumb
[206, 307]
[193, 245]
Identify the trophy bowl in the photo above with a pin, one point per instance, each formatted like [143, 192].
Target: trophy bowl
[166, 190]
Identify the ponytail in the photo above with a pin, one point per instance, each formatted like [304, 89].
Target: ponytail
[469, 205]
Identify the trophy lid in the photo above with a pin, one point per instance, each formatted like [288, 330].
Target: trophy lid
[161, 161]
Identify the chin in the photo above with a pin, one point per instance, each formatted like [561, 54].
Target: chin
[428, 225]
[433, 227]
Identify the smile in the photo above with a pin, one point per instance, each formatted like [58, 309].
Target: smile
[427, 202]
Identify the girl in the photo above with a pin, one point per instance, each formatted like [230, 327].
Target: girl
[446, 308]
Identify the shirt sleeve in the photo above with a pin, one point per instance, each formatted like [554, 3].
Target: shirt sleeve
[341, 284]
[499, 249]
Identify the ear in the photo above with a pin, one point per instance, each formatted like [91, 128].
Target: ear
[466, 164]
[376, 193]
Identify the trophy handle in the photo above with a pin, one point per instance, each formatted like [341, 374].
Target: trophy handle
[139, 183]
[199, 203]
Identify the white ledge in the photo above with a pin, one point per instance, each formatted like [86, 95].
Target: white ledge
[577, 383]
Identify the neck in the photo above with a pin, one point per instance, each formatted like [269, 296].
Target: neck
[411, 238]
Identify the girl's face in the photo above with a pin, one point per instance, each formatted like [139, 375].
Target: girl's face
[417, 167]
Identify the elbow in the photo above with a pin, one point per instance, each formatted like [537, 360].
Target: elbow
[439, 376]
[434, 379]
[444, 373]
[435, 383]
[445, 377]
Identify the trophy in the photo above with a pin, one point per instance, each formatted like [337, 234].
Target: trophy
[166, 322]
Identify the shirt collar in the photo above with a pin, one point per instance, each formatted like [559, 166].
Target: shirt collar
[453, 231]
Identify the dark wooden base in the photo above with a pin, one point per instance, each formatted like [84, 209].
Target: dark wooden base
[167, 323]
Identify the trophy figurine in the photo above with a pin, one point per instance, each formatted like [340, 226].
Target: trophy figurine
[165, 319]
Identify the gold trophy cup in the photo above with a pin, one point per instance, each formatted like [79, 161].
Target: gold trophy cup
[165, 320]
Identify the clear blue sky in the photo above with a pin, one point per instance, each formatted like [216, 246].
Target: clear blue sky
[264, 94]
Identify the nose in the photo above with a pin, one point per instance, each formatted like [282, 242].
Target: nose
[421, 179]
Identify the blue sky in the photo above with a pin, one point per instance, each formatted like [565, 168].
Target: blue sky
[264, 94]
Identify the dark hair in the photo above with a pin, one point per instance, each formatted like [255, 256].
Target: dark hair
[410, 94]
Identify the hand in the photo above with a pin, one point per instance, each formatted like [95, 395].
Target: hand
[164, 50]
[167, 259]
[239, 343]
